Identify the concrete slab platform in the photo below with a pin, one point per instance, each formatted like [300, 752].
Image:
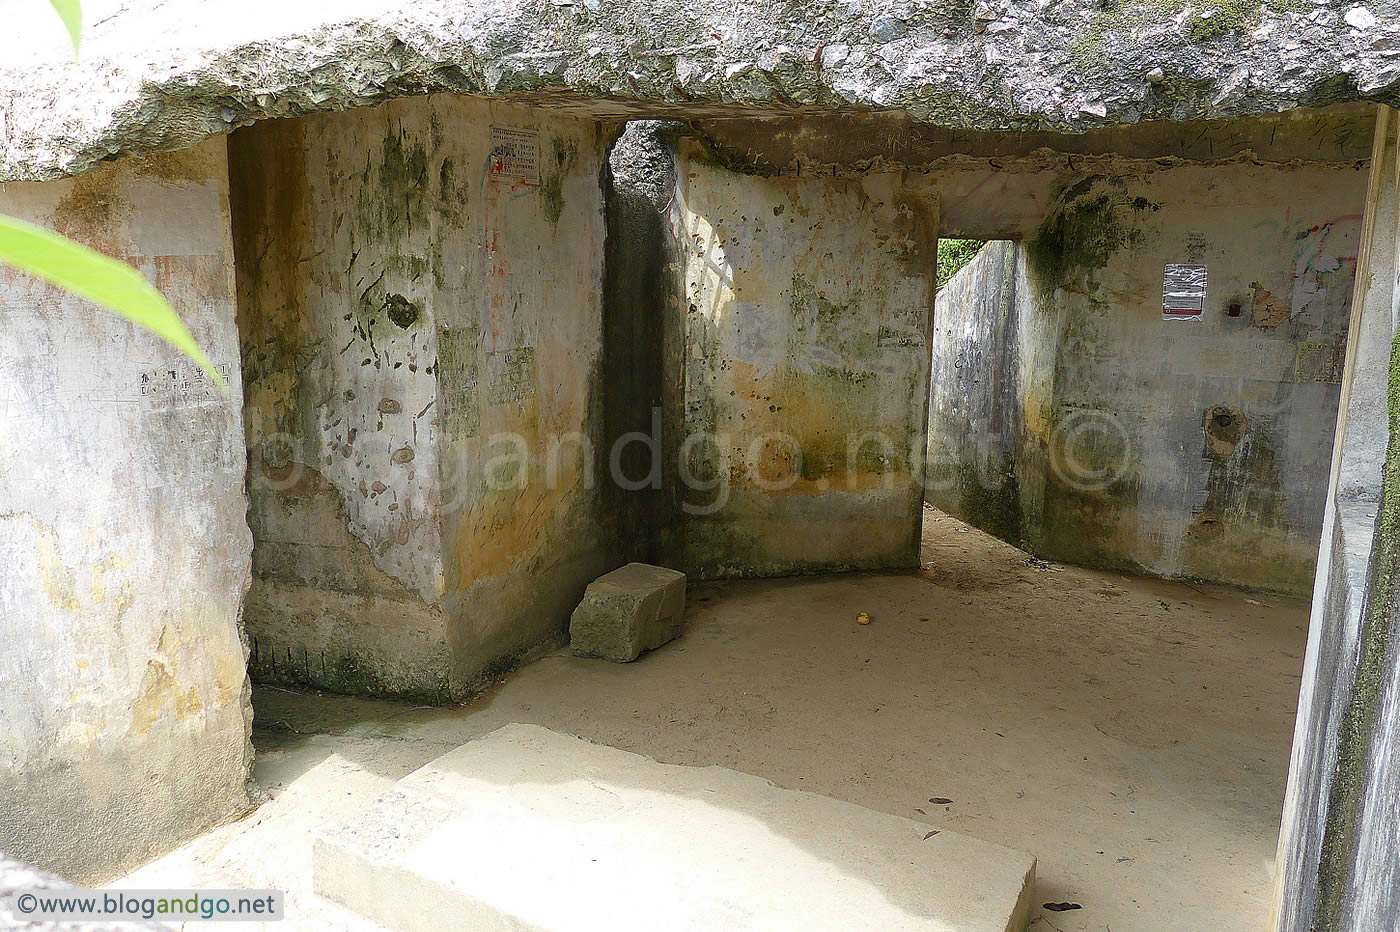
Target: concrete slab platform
[528, 828]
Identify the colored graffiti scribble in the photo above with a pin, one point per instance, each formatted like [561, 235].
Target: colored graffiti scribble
[1326, 251]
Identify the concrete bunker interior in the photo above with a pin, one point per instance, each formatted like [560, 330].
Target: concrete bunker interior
[486, 350]
[769, 415]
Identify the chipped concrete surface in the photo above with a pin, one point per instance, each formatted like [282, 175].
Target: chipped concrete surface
[123, 532]
[164, 75]
[423, 338]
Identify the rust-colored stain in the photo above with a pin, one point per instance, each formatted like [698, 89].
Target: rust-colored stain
[91, 212]
[502, 528]
[505, 527]
[1268, 309]
[185, 166]
[802, 435]
[189, 275]
[59, 581]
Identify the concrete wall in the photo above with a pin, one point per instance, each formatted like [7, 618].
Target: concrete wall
[806, 348]
[422, 332]
[1337, 863]
[124, 710]
[1180, 448]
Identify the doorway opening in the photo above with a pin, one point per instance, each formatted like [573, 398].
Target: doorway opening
[1145, 471]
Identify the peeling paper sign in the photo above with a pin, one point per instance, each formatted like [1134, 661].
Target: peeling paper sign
[515, 155]
[1183, 292]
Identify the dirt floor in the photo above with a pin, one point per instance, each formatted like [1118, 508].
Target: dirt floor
[1133, 734]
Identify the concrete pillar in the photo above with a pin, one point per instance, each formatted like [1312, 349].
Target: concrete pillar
[420, 300]
[808, 306]
[1337, 863]
[124, 711]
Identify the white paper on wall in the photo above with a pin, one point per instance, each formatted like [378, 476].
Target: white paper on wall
[515, 155]
[1183, 292]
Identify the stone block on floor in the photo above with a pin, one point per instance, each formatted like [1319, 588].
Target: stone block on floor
[635, 608]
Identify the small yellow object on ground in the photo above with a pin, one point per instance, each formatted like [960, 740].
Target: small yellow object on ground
[863, 618]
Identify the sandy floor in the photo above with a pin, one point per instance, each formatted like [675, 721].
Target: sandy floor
[1132, 734]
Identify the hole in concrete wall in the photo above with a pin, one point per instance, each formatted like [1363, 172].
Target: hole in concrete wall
[1207, 526]
[1224, 428]
[402, 312]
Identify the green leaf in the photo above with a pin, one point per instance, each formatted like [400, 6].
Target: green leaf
[103, 280]
[71, 12]
[953, 254]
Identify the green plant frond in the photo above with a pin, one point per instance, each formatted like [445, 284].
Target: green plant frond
[71, 12]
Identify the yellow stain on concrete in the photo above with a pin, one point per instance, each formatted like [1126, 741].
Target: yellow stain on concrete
[160, 686]
[506, 527]
[56, 578]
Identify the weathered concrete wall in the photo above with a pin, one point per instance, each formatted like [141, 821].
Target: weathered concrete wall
[525, 520]
[974, 412]
[1181, 448]
[347, 565]
[808, 307]
[1203, 445]
[421, 329]
[1337, 863]
[124, 709]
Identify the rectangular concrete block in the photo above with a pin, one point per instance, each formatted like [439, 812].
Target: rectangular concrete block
[634, 608]
[526, 828]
